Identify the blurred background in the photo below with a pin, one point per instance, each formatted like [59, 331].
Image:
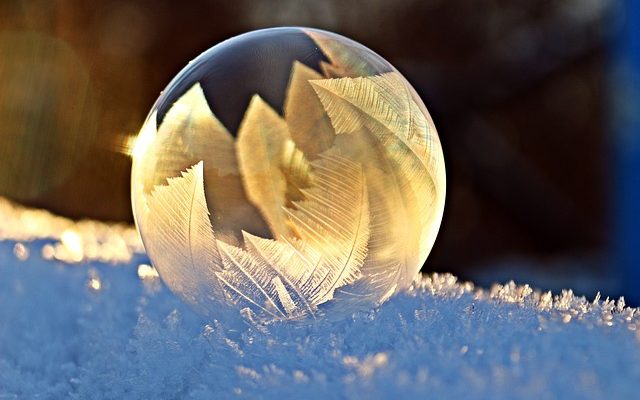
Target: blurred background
[537, 104]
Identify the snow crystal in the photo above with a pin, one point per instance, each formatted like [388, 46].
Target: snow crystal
[113, 330]
[71, 242]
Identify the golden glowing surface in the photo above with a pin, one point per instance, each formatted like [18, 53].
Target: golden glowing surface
[332, 198]
[146, 271]
[72, 241]
[94, 284]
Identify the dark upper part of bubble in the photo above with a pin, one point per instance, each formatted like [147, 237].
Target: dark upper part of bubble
[233, 71]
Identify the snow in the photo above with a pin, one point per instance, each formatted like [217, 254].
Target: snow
[94, 329]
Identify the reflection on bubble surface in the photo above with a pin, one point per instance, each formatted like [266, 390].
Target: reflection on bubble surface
[285, 173]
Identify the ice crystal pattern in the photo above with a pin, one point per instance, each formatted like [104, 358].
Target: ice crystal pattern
[335, 199]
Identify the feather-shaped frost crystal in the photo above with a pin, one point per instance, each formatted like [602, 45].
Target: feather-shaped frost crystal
[288, 173]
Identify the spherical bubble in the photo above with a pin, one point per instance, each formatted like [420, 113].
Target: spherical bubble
[288, 173]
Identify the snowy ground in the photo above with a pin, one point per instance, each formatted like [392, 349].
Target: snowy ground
[82, 328]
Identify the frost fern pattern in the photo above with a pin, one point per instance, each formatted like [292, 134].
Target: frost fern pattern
[337, 200]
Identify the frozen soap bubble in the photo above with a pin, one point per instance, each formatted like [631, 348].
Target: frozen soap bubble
[288, 173]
